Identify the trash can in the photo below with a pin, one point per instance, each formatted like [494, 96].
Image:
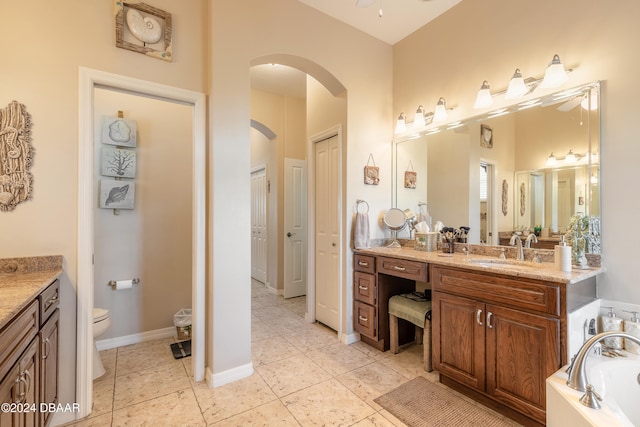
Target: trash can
[182, 322]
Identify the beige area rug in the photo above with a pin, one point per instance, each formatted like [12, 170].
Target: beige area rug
[422, 403]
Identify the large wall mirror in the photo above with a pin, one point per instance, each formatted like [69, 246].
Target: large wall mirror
[496, 172]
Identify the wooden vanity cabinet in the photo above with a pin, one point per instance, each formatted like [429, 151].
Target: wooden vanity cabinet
[375, 280]
[29, 360]
[497, 336]
[49, 301]
[365, 298]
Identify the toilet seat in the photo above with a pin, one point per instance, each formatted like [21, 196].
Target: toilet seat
[100, 314]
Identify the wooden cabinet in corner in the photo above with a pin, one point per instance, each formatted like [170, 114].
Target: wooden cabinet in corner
[49, 341]
[29, 360]
[498, 337]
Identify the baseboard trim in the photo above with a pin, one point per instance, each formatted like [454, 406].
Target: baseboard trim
[228, 376]
[109, 343]
[350, 338]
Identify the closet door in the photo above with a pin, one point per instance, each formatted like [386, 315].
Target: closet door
[327, 225]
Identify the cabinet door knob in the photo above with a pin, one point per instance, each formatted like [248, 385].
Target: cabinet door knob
[362, 318]
[363, 263]
[364, 288]
[479, 317]
[399, 268]
[489, 314]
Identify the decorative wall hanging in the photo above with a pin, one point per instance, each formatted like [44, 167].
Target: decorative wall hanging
[523, 199]
[117, 194]
[144, 29]
[410, 177]
[16, 156]
[119, 131]
[371, 173]
[486, 136]
[505, 197]
[118, 162]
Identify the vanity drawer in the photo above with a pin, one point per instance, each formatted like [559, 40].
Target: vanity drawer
[364, 287]
[364, 263]
[528, 294]
[365, 319]
[16, 336]
[49, 300]
[413, 270]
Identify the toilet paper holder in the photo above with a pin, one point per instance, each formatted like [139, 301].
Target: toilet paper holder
[113, 283]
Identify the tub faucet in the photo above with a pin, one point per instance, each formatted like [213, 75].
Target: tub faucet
[519, 252]
[530, 237]
[578, 373]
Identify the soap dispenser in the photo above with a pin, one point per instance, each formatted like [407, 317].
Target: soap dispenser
[612, 323]
[632, 327]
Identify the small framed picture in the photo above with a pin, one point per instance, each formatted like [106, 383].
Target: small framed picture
[144, 29]
[486, 136]
[117, 131]
[371, 175]
[118, 162]
[117, 194]
[410, 179]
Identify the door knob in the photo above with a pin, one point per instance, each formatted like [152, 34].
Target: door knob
[289, 234]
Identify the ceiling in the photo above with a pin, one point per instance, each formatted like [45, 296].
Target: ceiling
[400, 18]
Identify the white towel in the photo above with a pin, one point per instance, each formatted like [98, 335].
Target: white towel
[361, 231]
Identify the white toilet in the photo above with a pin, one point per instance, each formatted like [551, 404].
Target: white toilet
[101, 322]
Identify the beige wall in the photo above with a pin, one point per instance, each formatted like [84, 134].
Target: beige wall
[487, 40]
[44, 44]
[285, 116]
[153, 241]
[361, 63]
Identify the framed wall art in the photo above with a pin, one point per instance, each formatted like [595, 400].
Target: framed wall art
[410, 177]
[144, 29]
[117, 162]
[117, 194]
[119, 131]
[486, 136]
[371, 173]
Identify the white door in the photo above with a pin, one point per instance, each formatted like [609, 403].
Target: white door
[327, 235]
[295, 226]
[259, 225]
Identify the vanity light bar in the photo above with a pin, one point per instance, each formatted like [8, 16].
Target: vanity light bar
[529, 104]
[498, 113]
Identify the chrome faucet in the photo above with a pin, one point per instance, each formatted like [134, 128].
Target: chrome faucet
[530, 237]
[519, 252]
[578, 373]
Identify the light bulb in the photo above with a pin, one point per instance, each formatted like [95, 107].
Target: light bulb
[440, 114]
[555, 75]
[517, 88]
[401, 124]
[483, 99]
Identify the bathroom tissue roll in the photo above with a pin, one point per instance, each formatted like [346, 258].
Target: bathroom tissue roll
[124, 284]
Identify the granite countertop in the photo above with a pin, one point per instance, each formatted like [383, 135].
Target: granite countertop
[489, 264]
[22, 279]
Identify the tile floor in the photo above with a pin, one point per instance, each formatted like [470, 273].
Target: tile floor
[303, 377]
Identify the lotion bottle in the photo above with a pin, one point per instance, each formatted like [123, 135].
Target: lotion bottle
[612, 323]
[632, 327]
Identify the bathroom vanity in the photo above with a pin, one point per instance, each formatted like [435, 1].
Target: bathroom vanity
[29, 324]
[499, 326]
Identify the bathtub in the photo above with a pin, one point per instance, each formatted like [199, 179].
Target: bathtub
[615, 380]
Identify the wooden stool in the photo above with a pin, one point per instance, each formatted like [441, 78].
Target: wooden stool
[416, 312]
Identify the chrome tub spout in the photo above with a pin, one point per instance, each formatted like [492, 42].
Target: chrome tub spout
[577, 371]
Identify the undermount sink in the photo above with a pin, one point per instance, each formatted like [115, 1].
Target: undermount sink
[505, 263]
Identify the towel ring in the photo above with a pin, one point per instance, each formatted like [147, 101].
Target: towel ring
[359, 202]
